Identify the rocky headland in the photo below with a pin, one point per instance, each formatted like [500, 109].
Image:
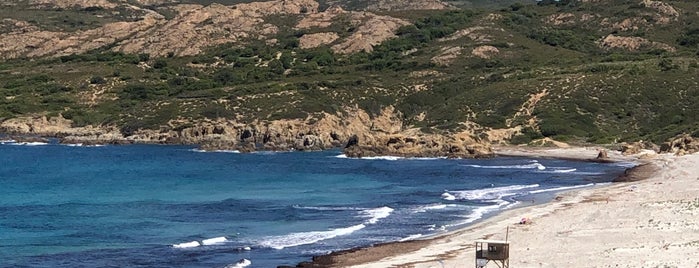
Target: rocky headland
[354, 130]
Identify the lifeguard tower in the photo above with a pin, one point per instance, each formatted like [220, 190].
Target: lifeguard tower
[496, 251]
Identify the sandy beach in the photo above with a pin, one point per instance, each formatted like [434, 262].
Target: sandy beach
[652, 220]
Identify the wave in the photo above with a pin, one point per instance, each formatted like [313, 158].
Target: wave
[205, 242]
[390, 158]
[479, 212]
[215, 151]
[437, 206]
[7, 141]
[411, 237]
[535, 165]
[82, 145]
[488, 193]
[29, 143]
[305, 238]
[240, 264]
[327, 208]
[564, 170]
[565, 188]
[376, 214]
[214, 241]
[448, 196]
[191, 244]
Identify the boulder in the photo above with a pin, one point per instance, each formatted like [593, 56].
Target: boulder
[681, 145]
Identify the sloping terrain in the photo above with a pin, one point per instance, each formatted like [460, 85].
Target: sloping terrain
[578, 71]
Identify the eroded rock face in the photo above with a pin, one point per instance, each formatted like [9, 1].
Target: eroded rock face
[370, 29]
[681, 145]
[632, 43]
[317, 39]
[417, 145]
[396, 5]
[197, 27]
[384, 134]
[31, 42]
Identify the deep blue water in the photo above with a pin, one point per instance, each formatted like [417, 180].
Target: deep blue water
[155, 206]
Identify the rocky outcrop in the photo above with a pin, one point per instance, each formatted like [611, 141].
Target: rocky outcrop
[485, 52]
[632, 43]
[369, 29]
[29, 41]
[638, 147]
[64, 4]
[416, 145]
[398, 5]
[317, 39]
[681, 145]
[197, 27]
[194, 28]
[382, 134]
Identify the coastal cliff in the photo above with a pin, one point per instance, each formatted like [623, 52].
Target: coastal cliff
[354, 130]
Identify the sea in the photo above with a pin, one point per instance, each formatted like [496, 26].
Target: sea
[177, 206]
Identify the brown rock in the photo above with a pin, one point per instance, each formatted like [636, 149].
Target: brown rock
[681, 145]
[398, 5]
[632, 43]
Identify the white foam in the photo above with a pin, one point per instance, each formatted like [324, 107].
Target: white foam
[191, 244]
[479, 212]
[305, 238]
[386, 157]
[448, 196]
[490, 193]
[376, 214]
[215, 151]
[240, 264]
[564, 170]
[534, 165]
[214, 241]
[565, 188]
[30, 143]
[82, 145]
[327, 208]
[7, 141]
[390, 158]
[431, 207]
[411, 237]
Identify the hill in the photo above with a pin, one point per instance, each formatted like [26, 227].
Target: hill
[439, 78]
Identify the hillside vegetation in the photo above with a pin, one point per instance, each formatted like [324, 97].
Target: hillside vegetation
[598, 71]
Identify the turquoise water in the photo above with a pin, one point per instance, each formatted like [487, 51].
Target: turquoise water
[172, 206]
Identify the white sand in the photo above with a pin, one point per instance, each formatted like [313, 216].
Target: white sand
[648, 223]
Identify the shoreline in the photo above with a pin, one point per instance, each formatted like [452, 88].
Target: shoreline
[455, 248]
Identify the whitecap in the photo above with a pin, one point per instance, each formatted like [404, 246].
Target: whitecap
[191, 244]
[478, 212]
[448, 196]
[490, 193]
[214, 241]
[215, 151]
[327, 208]
[305, 238]
[240, 264]
[430, 207]
[564, 170]
[534, 165]
[376, 214]
[7, 141]
[29, 143]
